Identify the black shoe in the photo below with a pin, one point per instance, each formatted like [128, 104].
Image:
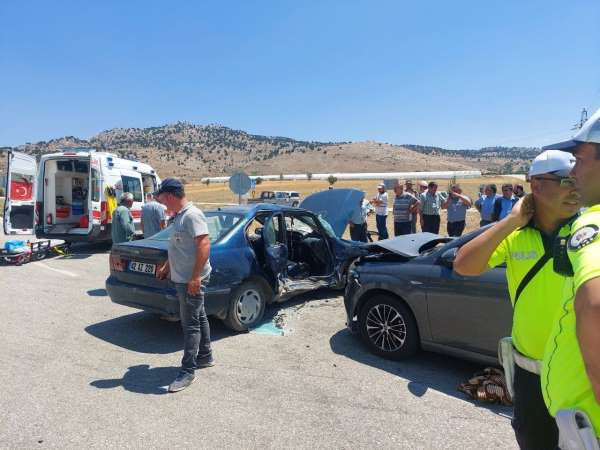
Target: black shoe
[210, 362]
[183, 380]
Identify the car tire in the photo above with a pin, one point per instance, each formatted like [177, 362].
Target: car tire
[388, 328]
[247, 306]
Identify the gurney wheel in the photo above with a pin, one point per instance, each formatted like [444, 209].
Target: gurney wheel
[40, 255]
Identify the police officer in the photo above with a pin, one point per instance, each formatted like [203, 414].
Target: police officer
[571, 369]
[523, 240]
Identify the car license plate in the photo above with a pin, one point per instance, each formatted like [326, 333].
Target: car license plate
[141, 267]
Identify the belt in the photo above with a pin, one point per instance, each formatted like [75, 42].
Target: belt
[575, 431]
[525, 363]
[509, 356]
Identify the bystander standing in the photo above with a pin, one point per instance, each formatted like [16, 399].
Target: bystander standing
[122, 227]
[429, 209]
[504, 204]
[153, 216]
[485, 204]
[519, 191]
[189, 268]
[408, 187]
[358, 221]
[457, 205]
[405, 207]
[381, 210]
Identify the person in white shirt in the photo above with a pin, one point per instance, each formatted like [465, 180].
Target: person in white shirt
[381, 209]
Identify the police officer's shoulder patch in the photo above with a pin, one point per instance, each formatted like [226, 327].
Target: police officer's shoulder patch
[583, 236]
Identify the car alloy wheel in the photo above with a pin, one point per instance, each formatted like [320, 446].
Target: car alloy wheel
[248, 306]
[386, 328]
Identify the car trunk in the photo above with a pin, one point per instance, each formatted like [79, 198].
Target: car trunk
[66, 196]
[136, 263]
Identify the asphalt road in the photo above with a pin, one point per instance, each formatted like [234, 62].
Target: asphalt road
[81, 372]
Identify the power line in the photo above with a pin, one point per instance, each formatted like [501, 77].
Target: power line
[583, 119]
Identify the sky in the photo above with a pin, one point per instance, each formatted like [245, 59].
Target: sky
[455, 74]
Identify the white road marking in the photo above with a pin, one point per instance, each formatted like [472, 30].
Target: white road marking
[64, 272]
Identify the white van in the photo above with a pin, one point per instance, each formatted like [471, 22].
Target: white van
[75, 192]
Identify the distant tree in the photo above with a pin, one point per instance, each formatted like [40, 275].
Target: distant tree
[258, 180]
[281, 177]
[207, 181]
[309, 176]
[331, 180]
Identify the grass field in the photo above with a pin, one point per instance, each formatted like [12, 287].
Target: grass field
[219, 194]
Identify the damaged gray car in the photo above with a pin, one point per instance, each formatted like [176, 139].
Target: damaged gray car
[404, 296]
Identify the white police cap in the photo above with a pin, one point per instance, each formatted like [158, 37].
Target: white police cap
[552, 161]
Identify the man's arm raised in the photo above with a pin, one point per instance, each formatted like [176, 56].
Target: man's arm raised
[472, 258]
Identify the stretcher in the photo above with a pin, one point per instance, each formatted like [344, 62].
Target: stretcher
[21, 252]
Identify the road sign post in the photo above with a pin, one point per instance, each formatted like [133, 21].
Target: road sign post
[240, 184]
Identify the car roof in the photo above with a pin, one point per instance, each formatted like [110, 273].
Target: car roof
[253, 208]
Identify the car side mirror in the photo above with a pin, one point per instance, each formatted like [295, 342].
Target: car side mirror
[448, 257]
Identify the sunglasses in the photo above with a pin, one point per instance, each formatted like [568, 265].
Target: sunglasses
[568, 182]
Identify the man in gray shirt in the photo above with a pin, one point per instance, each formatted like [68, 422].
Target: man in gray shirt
[122, 228]
[189, 268]
[153, 216]
[457, 205]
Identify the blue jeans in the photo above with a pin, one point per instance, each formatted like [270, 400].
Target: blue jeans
[381, 226]
[196, 331]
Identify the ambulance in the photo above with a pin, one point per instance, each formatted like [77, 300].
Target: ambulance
[71, 195]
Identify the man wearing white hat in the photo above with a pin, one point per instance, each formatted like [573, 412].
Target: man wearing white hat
[523, 240]
[381, 210]
[571, 369]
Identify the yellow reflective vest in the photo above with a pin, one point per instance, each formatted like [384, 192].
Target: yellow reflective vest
[538, 303]
[565, 384]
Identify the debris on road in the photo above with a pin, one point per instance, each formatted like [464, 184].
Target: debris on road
[488, 386]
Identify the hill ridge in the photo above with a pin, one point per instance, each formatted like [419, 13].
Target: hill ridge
[193, 151]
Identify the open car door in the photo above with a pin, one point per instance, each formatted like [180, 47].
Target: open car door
[19, 205]
[276, 252]
[277, 257]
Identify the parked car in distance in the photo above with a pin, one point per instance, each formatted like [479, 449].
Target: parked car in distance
[286, 198]
[260, 254]
[406, 297]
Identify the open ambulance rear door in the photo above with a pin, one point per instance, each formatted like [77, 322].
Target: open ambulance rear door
[19, 206]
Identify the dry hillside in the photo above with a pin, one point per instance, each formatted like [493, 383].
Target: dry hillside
[193, 151]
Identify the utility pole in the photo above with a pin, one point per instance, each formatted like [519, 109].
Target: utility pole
[583, 119]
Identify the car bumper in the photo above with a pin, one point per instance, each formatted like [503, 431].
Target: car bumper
[164, 301]
[160, 301]
[352, 294]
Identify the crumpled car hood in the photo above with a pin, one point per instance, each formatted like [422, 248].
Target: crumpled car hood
[410, 245]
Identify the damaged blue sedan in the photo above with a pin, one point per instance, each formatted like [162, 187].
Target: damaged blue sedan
[260, 254]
